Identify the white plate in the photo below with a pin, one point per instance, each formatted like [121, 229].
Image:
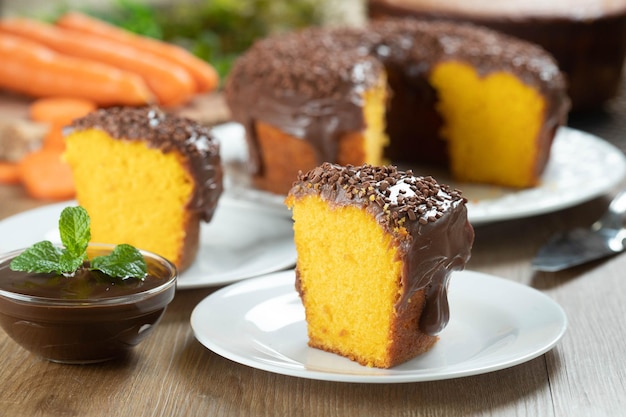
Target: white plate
[241, 241]
[494, 324]
[581, 167]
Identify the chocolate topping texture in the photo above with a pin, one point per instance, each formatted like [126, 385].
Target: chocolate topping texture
[428, 221]
[309, 83]
[168, 133]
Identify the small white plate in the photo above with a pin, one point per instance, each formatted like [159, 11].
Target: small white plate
[581, 167]
[241, 241]
[494, 324]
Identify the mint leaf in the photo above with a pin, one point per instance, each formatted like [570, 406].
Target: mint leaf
[68, 263]
[74, 227]
[123, 262]
[42, 257]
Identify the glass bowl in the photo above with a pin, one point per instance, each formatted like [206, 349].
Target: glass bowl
[83, 321]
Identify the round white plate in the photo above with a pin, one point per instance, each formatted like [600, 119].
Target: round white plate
[241, 241]
[581, 167]
[494, 324]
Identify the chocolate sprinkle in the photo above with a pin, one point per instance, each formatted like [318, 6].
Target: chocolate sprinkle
[396, 195]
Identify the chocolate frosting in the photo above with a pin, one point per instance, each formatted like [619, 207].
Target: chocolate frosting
[427, 220]
[586, 38]
[308, 83]
[305, 84]
[168, 133]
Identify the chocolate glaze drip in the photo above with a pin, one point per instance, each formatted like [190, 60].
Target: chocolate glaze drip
[439, 236]
[167, 133]
[305, 84]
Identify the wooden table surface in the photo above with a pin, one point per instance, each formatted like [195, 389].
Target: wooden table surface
[172, 374]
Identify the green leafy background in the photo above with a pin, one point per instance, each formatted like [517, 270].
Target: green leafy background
[215, 30]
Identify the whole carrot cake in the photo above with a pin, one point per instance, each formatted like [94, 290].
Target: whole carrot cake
[483, 104]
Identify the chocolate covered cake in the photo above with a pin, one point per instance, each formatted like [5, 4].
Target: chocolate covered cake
[586, 37]
[147, 178]
[376, 248]
[484, 105]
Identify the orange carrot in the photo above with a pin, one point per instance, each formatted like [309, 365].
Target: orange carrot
[204, 74]
[170, 83]
[30, 68]
[9, 173]
[54, 139]
[46, 176]
[60, 110]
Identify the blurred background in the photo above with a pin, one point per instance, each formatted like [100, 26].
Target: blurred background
[215, 30]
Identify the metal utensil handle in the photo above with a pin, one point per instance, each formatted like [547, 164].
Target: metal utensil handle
[616, 213]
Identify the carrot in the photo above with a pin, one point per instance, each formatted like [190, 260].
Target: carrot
[46, 176]
[60, 111]
[9, 173]
[54, 139]
[170, 83]
[204, 74]
[30, 68]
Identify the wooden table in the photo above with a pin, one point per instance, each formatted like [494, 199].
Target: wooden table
[172, 374]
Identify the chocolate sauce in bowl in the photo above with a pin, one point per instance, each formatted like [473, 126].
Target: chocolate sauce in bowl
[87, 318]
[84, 285]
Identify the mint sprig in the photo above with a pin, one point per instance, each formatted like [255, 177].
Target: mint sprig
[75, 230]
[123, 262]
